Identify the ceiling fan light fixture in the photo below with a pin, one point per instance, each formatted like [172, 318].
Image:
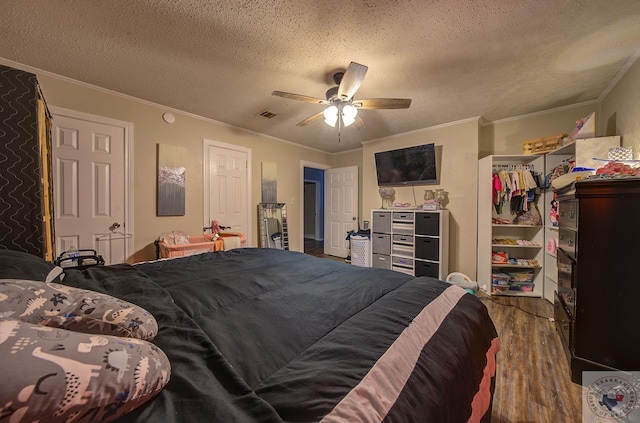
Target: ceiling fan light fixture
[349, 113]
[331, 115]
[340, 102]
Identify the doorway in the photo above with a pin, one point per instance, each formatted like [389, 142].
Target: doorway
[227, 188]
[338, 213]
[313, 211]
[341, 209]
[92, 168]
[312, 207]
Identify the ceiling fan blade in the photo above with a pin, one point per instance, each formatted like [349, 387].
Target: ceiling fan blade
[359, 123]
[351, 80]
[312, 118]
[383, 103]
[300, 97]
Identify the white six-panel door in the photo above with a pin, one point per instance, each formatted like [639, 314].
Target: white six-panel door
[226, 189]
[341, 208]
[91, 184]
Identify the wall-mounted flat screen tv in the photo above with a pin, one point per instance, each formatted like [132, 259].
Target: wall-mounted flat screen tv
[407, 166]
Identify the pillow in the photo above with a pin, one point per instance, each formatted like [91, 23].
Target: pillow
[21, 265]
[76, 309]
[51, 374]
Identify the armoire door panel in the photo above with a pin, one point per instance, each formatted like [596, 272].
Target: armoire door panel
[24, 146]
[91, 182]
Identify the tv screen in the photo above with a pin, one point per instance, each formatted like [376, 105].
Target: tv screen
[407, 166]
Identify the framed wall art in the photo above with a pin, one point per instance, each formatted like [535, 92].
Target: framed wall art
[171, 180]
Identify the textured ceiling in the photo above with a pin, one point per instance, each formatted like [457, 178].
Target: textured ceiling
[456, 59]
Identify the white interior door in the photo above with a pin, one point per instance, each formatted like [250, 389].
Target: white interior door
[226, 187]
[91, 184]
[341, 208]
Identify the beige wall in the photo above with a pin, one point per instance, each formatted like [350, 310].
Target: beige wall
[621, 110]
[457, 157]
[506, 136]
[188, 131]
[460, 144]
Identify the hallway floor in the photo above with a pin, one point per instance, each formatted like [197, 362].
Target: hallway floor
[316, 248]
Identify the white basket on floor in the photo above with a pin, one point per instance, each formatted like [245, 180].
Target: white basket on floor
[360, 251]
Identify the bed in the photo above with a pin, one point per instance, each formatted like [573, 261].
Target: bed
[266, 335]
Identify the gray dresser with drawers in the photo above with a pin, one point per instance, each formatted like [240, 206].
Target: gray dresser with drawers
[415, 242]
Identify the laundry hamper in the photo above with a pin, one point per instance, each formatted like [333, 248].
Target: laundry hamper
[360, 255]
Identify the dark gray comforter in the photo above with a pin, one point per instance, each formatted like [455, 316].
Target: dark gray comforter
[262, 335]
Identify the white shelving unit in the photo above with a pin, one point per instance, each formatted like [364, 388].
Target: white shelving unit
[487, 231]
[415, 242]
[583, 150]
[552, 159]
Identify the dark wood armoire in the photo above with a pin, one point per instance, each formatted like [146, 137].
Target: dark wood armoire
[598, 290]
[26, 192]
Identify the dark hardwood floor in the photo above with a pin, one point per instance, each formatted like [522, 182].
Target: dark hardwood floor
[533, 384]
[316, 248]
[313, 247]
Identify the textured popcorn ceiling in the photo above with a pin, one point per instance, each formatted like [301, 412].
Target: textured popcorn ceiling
[222, 59]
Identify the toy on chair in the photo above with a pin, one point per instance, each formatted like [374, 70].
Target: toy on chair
[232, 239]
[215, 228]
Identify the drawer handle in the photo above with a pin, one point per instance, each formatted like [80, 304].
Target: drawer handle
[572, 214]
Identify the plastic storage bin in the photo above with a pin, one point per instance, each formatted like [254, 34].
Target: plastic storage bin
[521, 277]
[521, 286]
[500, 278]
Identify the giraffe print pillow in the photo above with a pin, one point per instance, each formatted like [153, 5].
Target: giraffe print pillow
[55, 375]
[60, 306]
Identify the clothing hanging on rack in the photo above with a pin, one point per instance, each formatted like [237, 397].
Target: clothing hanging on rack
[514, 185]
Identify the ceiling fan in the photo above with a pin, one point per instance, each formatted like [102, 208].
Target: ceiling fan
[343, 108]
